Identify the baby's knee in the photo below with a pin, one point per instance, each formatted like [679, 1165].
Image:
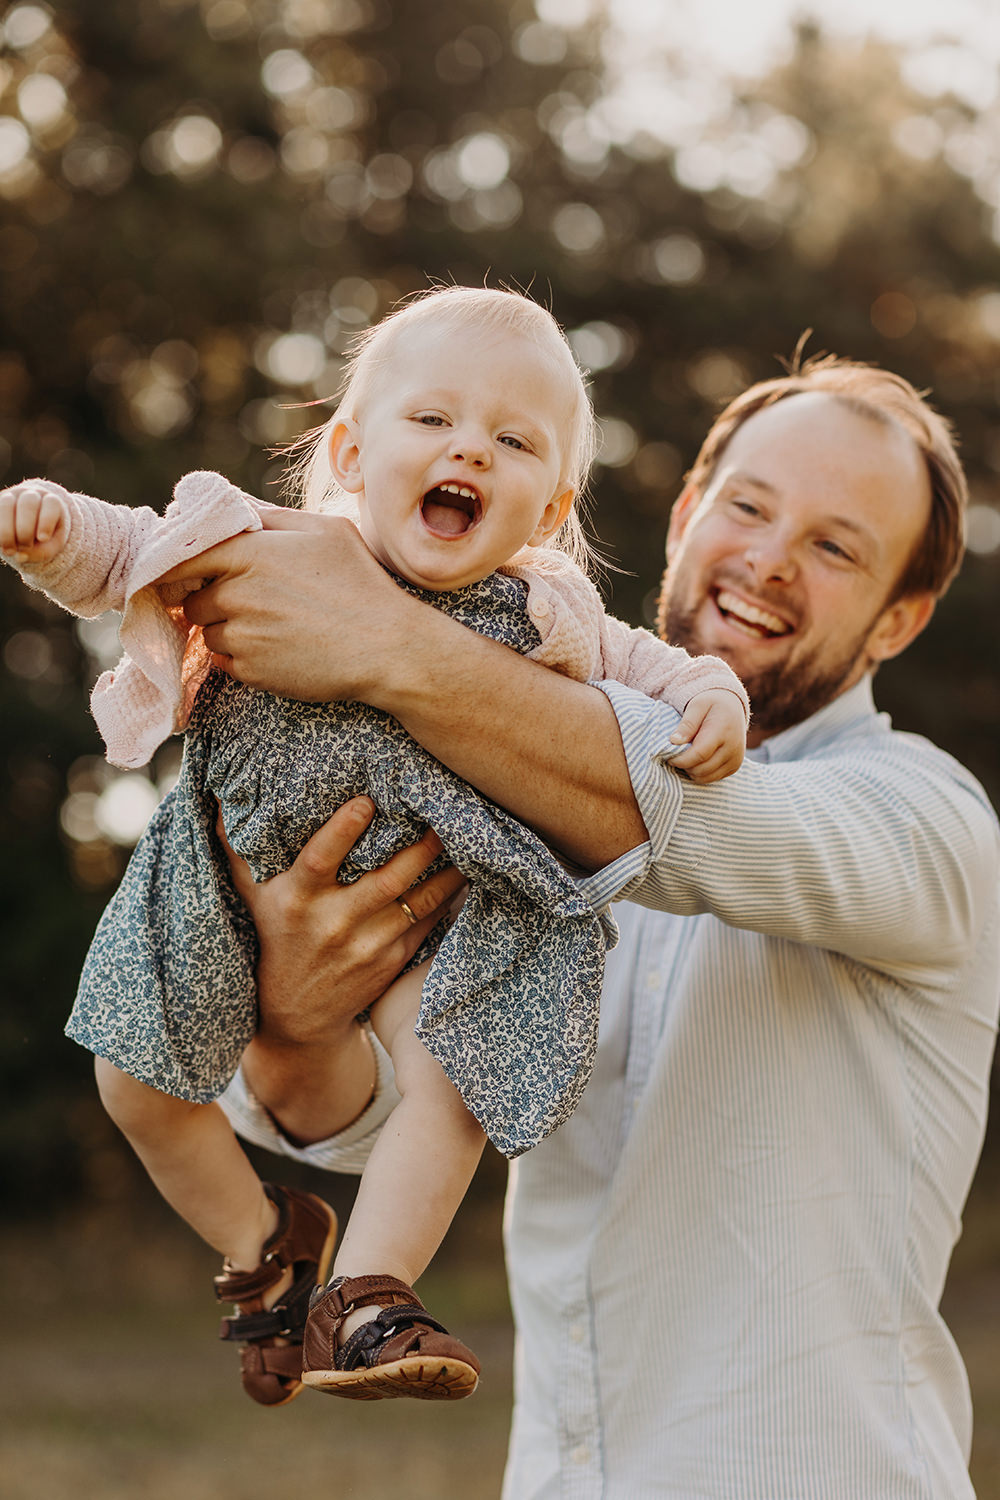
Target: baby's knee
[135, 1107]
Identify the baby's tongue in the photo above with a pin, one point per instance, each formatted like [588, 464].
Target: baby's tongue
[448, 519]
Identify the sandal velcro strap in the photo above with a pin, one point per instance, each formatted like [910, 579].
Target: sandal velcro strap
[235, 1286]
[270, 1338]
[366, 1343]
[286, 1319]
[344, 1293]
[250, 1328]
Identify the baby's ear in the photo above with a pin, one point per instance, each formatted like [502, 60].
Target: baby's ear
[552, 518]
[344, 448]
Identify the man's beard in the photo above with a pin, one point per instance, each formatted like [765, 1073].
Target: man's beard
[782, 695]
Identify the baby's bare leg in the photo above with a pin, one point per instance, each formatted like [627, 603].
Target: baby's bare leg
[195, 1161]
[422, 1164]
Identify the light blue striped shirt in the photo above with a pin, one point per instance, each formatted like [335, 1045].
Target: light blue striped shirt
[726, 1267]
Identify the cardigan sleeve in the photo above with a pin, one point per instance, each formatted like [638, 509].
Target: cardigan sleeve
[113, 559]
[91, 574]
[581, 640]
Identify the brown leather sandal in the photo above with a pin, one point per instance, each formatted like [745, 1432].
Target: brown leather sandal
[402, 1351]
[270, 1339]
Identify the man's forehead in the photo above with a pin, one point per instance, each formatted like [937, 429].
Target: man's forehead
[816, 438]
[812, 419]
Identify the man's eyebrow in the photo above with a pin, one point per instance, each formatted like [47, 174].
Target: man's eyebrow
[841, 523]
[742, 476]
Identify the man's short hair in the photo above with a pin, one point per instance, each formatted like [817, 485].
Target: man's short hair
[883, 397]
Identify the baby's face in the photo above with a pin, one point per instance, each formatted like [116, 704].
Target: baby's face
[457, 454]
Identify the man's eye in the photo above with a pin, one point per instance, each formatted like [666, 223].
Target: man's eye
[835, 550]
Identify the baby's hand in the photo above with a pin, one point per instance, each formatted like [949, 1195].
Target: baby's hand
[714, 733]
[34, 523]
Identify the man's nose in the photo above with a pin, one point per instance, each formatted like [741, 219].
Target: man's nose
[772, 558]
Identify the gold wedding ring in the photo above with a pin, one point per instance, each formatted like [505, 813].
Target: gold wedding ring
[410, 914]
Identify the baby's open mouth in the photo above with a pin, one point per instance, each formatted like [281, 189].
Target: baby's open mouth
[451, 509]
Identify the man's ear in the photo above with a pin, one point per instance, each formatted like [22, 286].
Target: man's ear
[553, 516]
[344, 449]
[680, 515]
[898, 625]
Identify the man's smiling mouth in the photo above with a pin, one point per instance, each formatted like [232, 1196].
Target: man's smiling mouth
[756, 621]
[451, 509]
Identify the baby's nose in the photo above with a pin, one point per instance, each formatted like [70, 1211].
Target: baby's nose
[469, 448]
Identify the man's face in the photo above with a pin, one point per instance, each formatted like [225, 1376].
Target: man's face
[784, 566]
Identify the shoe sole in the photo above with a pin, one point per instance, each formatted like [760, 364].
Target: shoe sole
[420, 1378]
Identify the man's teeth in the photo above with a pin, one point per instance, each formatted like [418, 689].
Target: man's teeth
[458, 489]
[749, 614]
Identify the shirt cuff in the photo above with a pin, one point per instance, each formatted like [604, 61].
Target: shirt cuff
[646, 725]
[347, 1151]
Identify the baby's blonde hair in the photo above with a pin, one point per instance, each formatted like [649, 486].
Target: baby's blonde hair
[310, 482]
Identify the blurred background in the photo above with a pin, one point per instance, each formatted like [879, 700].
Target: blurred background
[201, 201]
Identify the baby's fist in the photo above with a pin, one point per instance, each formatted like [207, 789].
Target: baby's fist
[34, 522]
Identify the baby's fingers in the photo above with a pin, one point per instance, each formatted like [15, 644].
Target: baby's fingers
[21, 510]
[31, 523]
[7, 536]
[50, 517]
[722, 762]
[686, 730]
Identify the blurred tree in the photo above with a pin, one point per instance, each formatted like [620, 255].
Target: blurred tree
[203, 202]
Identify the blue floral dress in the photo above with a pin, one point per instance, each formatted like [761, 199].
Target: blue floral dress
[510, 1003]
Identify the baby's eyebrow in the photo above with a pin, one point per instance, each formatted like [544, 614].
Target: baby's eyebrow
[520, 421]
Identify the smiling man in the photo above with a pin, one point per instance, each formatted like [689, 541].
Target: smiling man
[726, 1267]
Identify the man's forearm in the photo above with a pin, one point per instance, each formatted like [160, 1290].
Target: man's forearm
[545, 747]
[311, 1090]
[304, 610]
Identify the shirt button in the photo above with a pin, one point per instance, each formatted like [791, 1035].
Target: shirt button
[576, 1333]
[541, 609]
[654, 980]
[581, 1455]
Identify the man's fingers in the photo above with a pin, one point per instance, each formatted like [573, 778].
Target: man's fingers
[432, 897]
[224, 557]
[283, 519]
[403, 870]
[320, 860]
[242, 878]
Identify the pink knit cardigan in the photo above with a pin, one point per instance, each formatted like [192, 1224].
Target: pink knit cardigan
[114, 557]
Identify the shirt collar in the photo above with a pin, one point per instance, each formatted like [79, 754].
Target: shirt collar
[822, 727]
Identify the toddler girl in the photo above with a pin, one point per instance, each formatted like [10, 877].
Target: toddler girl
[462, 439]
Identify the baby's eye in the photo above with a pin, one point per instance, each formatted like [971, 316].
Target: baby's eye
[430, 419]
[745, 507]
[512, 441]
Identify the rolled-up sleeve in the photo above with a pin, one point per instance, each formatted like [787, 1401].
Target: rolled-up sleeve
[348, 1151]
[646, 726]
[870, 843]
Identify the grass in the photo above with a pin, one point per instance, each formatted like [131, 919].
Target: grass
[114, 1387]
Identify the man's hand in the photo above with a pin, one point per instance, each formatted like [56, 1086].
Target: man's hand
[303, 609]
[329, 951]
[280, 603]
